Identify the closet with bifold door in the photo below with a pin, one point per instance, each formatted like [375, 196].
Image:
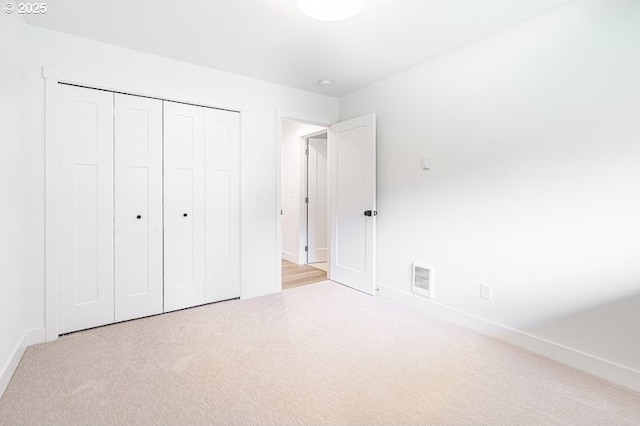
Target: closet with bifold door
[202, 215]
[147, 206]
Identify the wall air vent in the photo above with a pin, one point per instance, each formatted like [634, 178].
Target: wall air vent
[422, 280]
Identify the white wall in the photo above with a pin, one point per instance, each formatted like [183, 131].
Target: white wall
[258, 101]
[292, 167]
[534, 141]
[12, 213]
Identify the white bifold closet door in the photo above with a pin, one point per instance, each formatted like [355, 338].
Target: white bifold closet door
[222, 204]
[109, 216]
[184, 205]
[138, 207]
[117, 199]
[201, 205]
[84, 214]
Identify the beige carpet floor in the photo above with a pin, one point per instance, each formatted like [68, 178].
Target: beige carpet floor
[318, 354]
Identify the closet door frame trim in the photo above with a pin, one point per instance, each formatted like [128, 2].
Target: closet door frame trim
[53, 78]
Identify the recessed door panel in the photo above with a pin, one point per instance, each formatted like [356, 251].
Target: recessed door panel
[352, 195]
[220, 219]
[138, 280]
[184, 135]
[223, 141]
[138, 207]
[184, 208]
[184, 253]
[85, 208]
[85, 238]
[351, 201]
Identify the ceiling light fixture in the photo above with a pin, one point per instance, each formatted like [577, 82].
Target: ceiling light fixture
[330, 10]
[325, 82]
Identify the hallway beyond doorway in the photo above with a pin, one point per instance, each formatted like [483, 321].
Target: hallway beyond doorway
[294, 275]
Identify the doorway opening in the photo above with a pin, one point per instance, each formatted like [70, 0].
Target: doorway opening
[351, 190]
[304, 203]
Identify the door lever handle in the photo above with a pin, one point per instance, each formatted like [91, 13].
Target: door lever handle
[370, 213]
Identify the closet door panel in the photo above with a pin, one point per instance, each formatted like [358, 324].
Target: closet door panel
[184, 251]
[85, 208]
[185, 233]
[222, 151]
[138, 207]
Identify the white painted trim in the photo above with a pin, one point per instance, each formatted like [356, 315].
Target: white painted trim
[53, 77]
[29, 337]
[34, 336]
[133, 88]
[290, 257]
[316, 120]
[304, 118]
[596, 366]
[10, 367]
[302, 206]
[243, 131]
[51, 208]
[316, 133]
[278, 198]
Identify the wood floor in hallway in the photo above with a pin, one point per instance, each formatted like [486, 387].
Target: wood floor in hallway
[294, 275]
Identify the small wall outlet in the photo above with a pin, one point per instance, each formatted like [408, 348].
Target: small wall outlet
[485, 292]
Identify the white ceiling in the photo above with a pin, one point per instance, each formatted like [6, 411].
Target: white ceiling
[271, 40]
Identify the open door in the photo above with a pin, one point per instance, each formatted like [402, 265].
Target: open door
[352, 202]
[317, 200]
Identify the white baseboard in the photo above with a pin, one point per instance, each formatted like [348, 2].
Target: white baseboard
[10, 367]
[29, 337]
[290, 257]
[34, 336]
[602, 368]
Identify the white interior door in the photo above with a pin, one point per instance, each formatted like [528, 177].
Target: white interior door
[85, 208]
[352, 202]
[138, 207]
[317, 206]
[222, 209]
[184, 202]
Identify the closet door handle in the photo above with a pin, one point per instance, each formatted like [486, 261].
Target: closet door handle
[370, 213]
[139, 217]
[184, 214]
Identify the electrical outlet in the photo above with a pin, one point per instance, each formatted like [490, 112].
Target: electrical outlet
[485, 292]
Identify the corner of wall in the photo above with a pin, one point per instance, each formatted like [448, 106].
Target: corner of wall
[29, 337]
[14, 302]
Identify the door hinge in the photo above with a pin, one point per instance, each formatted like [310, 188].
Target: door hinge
[306, 151]
[306, 200]
[306, 248]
